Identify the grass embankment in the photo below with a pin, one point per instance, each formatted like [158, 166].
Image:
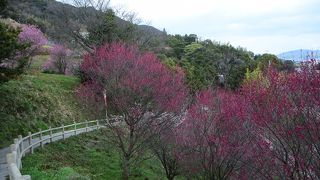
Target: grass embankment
[38, 101]
[87, 156]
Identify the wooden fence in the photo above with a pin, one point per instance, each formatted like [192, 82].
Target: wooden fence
[24, 145]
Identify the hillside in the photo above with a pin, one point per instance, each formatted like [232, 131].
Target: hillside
[38, 101]
[50, 15]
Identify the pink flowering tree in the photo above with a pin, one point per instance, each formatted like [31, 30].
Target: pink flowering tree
[285, 110]
[34, 38]
[58, 61]
[136, 86]
[215, 136]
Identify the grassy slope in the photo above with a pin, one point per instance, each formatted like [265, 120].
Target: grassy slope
[37, 101]
[87, 156]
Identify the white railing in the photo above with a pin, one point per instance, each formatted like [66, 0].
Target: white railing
[24, 145]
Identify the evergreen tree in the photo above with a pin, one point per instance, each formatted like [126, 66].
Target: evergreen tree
[9, 44]
[11, 64]
[106, 32]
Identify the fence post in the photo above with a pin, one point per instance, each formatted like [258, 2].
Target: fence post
[16, 152]
[12, 147]
[10, 160]
[17, 149]
[63, 136]
[21, 145]
[50, 134]
[14, 157]
[75, 128]
[41, 143]
[97, 124]
[86, 126]
[30, 142]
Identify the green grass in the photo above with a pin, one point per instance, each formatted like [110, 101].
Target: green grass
[38, 61]
[38, 101]
[87, 156]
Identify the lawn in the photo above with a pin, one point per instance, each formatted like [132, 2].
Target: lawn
[38, 61]
[87, 156]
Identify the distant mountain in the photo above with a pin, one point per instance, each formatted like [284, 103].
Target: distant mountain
[300, 55]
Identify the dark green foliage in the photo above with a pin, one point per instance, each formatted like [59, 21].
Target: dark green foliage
[236, 76]
[203, 58]
[111, 29]
[9, 44]
[287, 66]
[266, 60]
[190, 38]
[106, 32]
[177, 44]
[3, 7]
[11, 64]
[204, 61]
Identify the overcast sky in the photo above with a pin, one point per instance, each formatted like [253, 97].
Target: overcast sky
[261, 26]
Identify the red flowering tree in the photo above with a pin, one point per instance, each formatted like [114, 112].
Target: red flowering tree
[215, 136]
[138, 87]
[285, 110]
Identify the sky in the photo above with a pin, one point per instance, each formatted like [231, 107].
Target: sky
[261, 26]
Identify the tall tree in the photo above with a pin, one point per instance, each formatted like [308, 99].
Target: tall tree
[267, 60]
[136, 86]
[106, 32]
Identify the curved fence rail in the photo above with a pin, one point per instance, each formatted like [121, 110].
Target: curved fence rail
[24, 145]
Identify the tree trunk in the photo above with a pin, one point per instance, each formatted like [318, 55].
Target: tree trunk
[126, 169]
[170, 177]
